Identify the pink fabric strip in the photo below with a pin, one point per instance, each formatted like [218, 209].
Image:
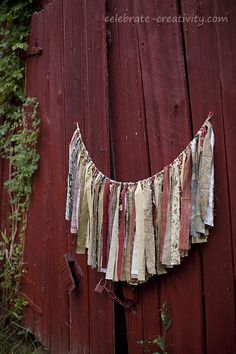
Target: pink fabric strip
[186, 206]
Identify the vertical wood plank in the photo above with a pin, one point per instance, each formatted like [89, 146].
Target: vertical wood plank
[128, 133]
[74, 66]
[32, 278]
[169, 131]
[43, 180]
[97, 140]
[86, 102]
[58, 295]
[128, 136]
[227, 58]
[46, 241]
[203, 52]
[150, 124]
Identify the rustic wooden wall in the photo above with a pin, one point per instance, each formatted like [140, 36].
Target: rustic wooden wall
[139, 93]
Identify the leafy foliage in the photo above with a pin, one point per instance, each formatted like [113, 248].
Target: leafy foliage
[159, 341]
[19, 130]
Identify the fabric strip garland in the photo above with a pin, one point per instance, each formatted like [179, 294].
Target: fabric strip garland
[134, 230]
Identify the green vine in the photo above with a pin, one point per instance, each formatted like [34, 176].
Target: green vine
[159, 342]
[19, 130]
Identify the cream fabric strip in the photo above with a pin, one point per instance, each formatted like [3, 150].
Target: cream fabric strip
[134, 266]
[74, 219]
[171, 253]
[175, 215]
[140, 232]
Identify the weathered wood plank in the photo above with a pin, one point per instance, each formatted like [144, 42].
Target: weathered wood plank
[46, 240]
[169, 131]
[206, 94]
[128, 132]
[97, 140]
[74, 64]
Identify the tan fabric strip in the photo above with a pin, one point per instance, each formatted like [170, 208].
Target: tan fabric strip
[100, 218]
[126, 275]
[150, 252]
[85, 212]
[92, 254]
[185, 203]
[158, 184]
[207, 155]
[74, 219]
[114, 240]
[166, 254]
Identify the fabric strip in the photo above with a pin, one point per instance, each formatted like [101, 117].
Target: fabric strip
[186, 203]
[210, 207]
[165, 201]
[122, 232]
[105, 224]
[110, 274]
[150, 252]
[140, 233]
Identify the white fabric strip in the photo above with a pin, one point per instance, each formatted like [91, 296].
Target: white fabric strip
[140, 233]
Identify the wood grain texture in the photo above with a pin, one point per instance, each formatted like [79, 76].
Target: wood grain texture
[46, 242]
[128, 131]
[169, 131]
[139, 92]
[203, 64]
[96, 137]
[31, 282]
[75, 98]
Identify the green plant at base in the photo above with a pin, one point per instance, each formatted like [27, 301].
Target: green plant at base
[159, 341]
[19, 130]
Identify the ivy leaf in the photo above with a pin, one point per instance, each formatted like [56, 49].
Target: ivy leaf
[160, 341]
[22, 46]
[5, 238]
